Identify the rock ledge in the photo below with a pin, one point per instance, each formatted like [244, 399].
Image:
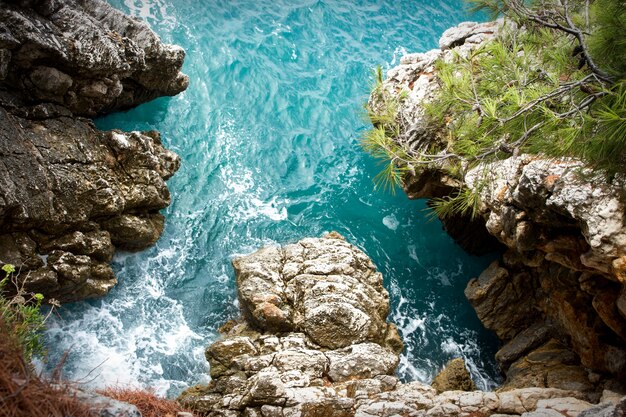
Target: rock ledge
[71, 194]
[314, 342]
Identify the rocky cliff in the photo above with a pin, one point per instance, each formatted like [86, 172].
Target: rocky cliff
[71, 194]
[314, 342]
[556, 298]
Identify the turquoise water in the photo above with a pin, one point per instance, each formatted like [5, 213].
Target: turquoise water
[268, 132]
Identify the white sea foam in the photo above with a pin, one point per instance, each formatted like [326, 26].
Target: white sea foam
[238, 183]
[254, 207]
[150, 10]
[398, 53]
[391, 222]
[124, 340]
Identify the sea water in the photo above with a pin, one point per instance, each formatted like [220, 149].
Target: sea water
[268, 132]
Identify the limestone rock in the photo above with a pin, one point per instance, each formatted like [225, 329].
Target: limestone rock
[570, 407]
[103, 406]
[364, 360]
[69, 193]
[561, 222]
[71, 187]
[279, 368]
[552, 365]
[528, 339]
[324, 287]
[96, 59]
[501, 301]
[454, 377]
[605, 409]
[468, 32]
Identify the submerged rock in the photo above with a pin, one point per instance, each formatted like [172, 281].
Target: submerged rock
[71, 194]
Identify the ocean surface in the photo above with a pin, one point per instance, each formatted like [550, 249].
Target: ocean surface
[268, 133]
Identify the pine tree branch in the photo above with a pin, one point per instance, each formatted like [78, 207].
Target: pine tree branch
[570, 28]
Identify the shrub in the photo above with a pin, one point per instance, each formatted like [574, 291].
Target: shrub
[145, 400]
[24, 394]
[556, 87]
[21, 312]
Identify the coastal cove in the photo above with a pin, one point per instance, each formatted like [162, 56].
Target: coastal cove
[268, 132]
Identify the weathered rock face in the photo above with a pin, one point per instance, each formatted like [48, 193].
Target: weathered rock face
[316, 316]
[566, 235]
[276, 364]
[562, 276]
[325, 288]
[454, 377]
[70, 194]
[84, 55]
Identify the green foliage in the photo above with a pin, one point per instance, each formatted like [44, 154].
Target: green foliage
[607, 42]
[465, 203]
[525, 93]
[21, 312]
[555, 87]
[381, 141]
[494, 8]
[603, 136]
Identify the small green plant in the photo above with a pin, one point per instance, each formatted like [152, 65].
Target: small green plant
[21, 311]
[466, 202]
[382, 142]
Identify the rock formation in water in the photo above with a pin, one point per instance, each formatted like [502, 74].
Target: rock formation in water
[71, 194]
[314, 342]
[556, 298]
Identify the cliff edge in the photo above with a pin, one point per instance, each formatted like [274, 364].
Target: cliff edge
[71, 194]
[556, 298]
[313, 341]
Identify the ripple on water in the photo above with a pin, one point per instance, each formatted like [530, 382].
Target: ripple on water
[268, 132]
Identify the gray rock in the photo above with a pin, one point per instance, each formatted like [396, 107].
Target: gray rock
[271, 372]
[569, 407]
[606, 409]
[460, 34]
[262, 370]
[69, 193]
[364, 360]
[105, 406]
[501, 301]
[543, 413]
[72, 188]
[98, 59]
[528, 339]
[562, 223]
[325, 288]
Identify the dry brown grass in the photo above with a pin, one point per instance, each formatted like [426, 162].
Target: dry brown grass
[148, 403]
[23, 393]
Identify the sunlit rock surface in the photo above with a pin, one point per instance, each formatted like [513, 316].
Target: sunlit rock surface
[272, 363]
[557, 297]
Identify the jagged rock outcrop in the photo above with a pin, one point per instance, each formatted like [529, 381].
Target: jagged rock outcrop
[71, 194]
[557, 297]
[325, 288]
[278, 362]
[454, 377]
[85, 56]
